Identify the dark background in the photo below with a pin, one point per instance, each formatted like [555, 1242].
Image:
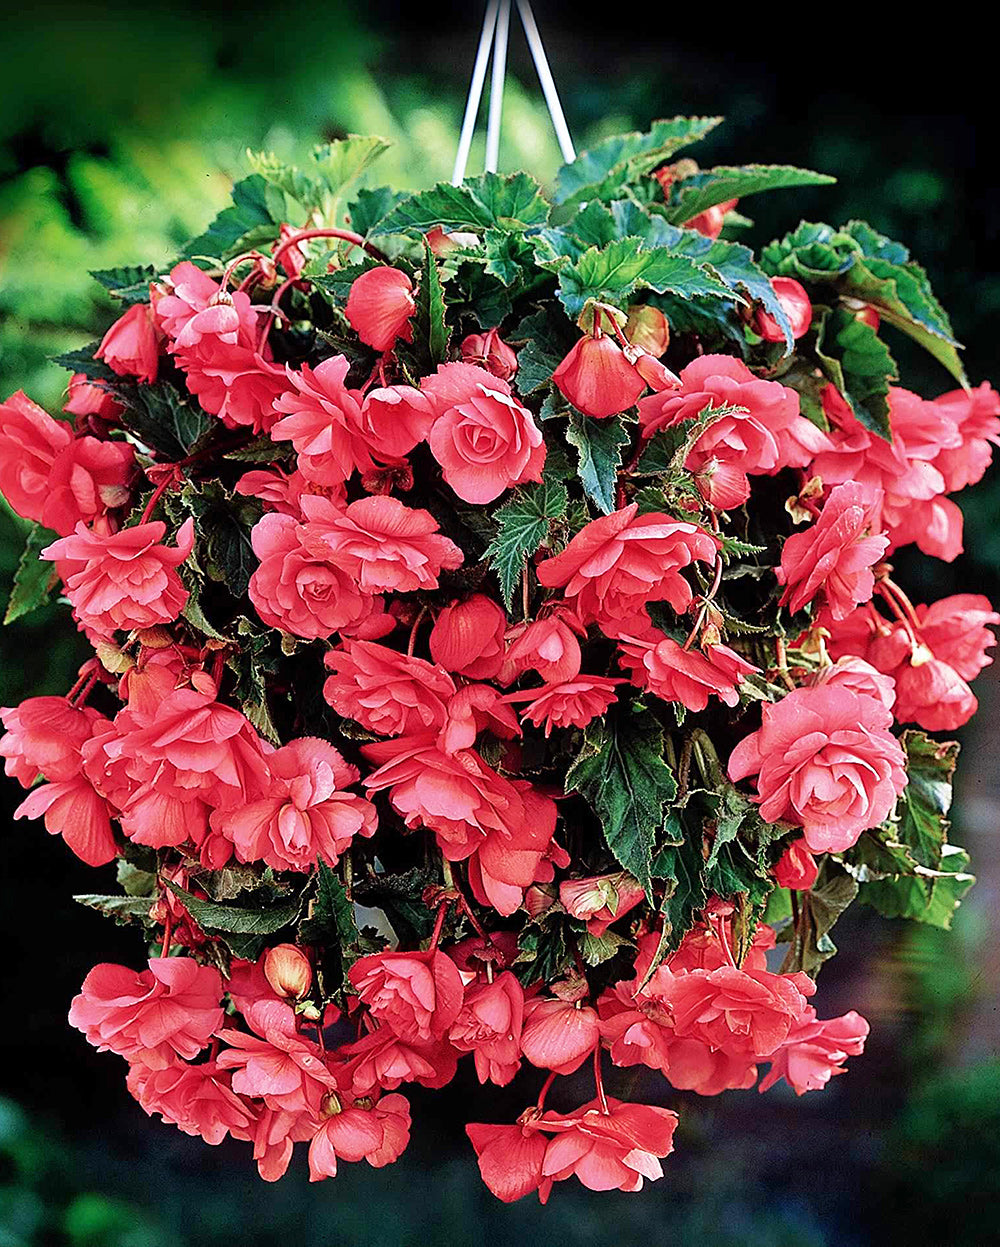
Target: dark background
[119, 132]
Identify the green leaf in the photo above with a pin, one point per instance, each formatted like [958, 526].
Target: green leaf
[121, 908]
[543, 953]
[164, 420]
[682, 866]
[338, 283]
[600, 172]
[704, 190]
[858, 363]
[128, 284]
[524, 524]
[549, 336]
[596, 949]
[599, 444]
[926, 800]
[621, 773]
[926, 896]
[330, 915]
[819, 910]
[254, 218]
[511, 203]
[343, 161]
[615, 271]
[261, 450]
[83, 361]
[255, 922]
[34, 577]
[370, 207]
[430, 327]
[507, 255]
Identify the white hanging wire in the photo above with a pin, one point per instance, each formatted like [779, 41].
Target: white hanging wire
[496, 87]
[547, 81]
[475, 93]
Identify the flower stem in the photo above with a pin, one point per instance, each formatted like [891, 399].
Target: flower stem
[599, 1081]
[540, 1102]
[345, 234]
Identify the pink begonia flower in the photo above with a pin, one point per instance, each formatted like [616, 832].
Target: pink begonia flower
[721, 381]
[378, 1134]
[488, 350]
[796, 868]
[304, 816]
[559, 1034]
[87, 398]
[126, 580]
[276, 1064]
[482, 437]
[548, 646]
[598, 378]
[825, 760]
[731, 447]
[273, 1134]
[186, 291]
[394, 418]
[607, 1144]
[574, 703]
[932, 693]
[382, 1059]
[238, 384]
[976, 414]
[383, 544]
[503, 826]
[600, 900]
[380, 305]
[836, 554]
[323, 420]
[489, 1026]
[860, 677]
[283, 491]
[617, 564]
[510, 1158]
[150, 1016]
[418, 995]
[796, 305]
[468, 637]
[130, 348]
[247, 983]
[473, 709]
[386, 692]
[743, 1012]
[955, 629]
[663, 667]
[30, 442]
[197, 1098]
[816, 1050]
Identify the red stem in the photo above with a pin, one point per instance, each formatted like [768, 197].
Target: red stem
[345, 234]
[168, 930]
[157, 494]
[439, 923]
[540, 1103]
[599, 1081]
[411, 645]
[897, 610]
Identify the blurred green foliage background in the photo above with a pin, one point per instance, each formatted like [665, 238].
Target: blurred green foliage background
[121, 131]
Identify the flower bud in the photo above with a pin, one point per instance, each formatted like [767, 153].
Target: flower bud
[442, 244]
[130, 348]
[490, 352]
[380, 305]
[868, 316]
[287, 970]
[795, 304]
[649, 328]
[796, 868]
[597, 378]
[656, 375]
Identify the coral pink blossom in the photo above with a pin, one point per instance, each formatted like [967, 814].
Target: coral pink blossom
[126, 580]
[394, 419]
[559, 1034]
[187, 291]
[283, 491]
[473, 709]
[572, 703]
[976, 414]
[608, 1145]
[384, 545]
[418, 994]
[816, 1050]
[615, 565]
[323, 420]
[196, 1098]
[600, 900]
[129, 347]
[598, 378]
[87, 479]
[672, 673]
[276, 1063]
[932, 693]
[468, 637]
[731, 447]
[382, 1059]
[482, 437]
[721, 381]
[510, 1158]
[794, 303]
[955, 629]
[150, 1016]
[548, 646]
[30, 441]
[836, 554]
[735, 1010]
[305, 815]
[378, 1134]
[380, 305]
[489, 351]
[796, 868]
[385, 691]
[87, 398]
[236, 383]
[934, 525]
[859, 676]
[273, 1134]
[489, 1026]
[825, 760]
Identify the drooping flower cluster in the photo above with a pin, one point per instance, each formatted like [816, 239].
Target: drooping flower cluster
[479, 666]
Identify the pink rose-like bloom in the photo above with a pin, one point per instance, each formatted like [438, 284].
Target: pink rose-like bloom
[796, 868]
[548, 646]
[283, 491]
[488, 350]
[129, 348]
[738, 1011]
[276, 1063]
[150, 1016]
[489, 1026]
[815, 1051]
[126, 580]
[323, 420]
[30, 441]
[378, 1134]
[598, 378]
[273, 1134]
[673, 673]
[187, 291]
[572, 703]
[382, 1060]
[86, 398]
[720, 459]
[238, 384]
[609, 1146]
[394, 419]
[559, 1034]
[955, 629]
[825, 760]
[976, 414]
[385, 691]
[615, 565]
[468, 637]
[196, 1098]
[473, 709]
[305, 815]
[601, 899]
[482, 437]
[720, 380]
[836, 554]
[932, 693]
[380, 305]
[417, 994]
[510, 1158]
[859, 676]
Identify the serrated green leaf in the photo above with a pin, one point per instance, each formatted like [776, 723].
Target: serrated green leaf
[118, 907]
[512, 203]
[524, 524]
[330, 915]
[507, 255]
[164, 420]
[83, 361]
[599, 444]
[858, 363]
[819, 910]
[128, 285]
[430, 327]
[621, 773]
[930, 769]
[371, 207]
[248, 221]
[548, 335]
[681, 865]
[215, 917]
[928, 896]
[704, 190]
[261, 450]
[596, 949]
[34, 577]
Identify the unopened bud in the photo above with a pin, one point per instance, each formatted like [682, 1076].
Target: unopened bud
[649, 328]
[287, 970]
[656, 375]
[442, 244]
[113, 660]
